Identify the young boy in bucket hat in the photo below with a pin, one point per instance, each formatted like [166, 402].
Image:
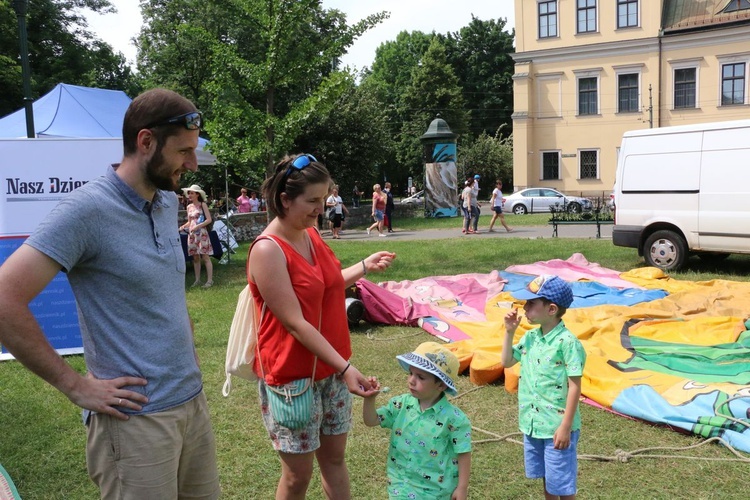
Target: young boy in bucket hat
[430, 451]
[552, 360]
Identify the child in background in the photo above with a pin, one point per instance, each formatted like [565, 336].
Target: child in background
[430, 450]
[552, 361]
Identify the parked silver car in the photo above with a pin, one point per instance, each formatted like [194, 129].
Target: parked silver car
[417, 199]
[541, 199]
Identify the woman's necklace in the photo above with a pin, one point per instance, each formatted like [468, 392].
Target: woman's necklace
[304, 248]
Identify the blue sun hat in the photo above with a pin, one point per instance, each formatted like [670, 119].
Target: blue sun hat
[476, 176]
[549, 287]
[433, 358]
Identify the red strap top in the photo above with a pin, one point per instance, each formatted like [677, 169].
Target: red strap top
[380, 202]
[320, 291]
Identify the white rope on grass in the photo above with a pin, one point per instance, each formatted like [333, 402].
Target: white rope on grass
[371, 336]
[622, 456]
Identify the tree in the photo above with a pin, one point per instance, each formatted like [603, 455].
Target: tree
[61, 50]
[480, 56]
[395, 61]
[352, 139]
[433, 90]
[490, 157]
[263, 70]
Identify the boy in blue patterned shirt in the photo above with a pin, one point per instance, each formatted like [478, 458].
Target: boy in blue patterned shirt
[430, 450]
[552, 360]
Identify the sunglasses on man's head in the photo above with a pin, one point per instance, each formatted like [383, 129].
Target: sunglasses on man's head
[191, 121]
[299, 163]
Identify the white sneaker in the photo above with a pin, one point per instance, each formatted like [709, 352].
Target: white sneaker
[382, 235]
[368, 231]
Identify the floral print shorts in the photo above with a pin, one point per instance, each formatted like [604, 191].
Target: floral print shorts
[331, 416]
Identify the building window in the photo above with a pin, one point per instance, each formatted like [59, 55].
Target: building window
[733, 84]
[627, 13]
[548, 19]
[589, 164]
[586, 16]
[736, 6]
[684, 88]
[587, 96]
[550, 166]
[627, 93]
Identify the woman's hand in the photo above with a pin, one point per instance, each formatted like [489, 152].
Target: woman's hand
[358, 384]
[379, 261]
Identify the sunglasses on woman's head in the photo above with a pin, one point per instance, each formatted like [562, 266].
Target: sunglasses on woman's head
[191, 121]
[300, 163]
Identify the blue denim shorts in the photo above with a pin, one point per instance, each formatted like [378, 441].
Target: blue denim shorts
[331, 416]
[559, 468]
[378, 214]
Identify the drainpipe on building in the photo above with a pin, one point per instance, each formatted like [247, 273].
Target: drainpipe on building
[658, 83]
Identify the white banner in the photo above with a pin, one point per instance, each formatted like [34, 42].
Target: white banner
[36, 174]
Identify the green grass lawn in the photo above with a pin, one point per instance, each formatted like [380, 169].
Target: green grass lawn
[42, 439]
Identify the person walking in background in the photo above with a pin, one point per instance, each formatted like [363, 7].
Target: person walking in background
[304, 334]
[336, 207]
[497, 206]
[243, 202]
[148, 428]
[198, 241]
[475, 206]
[356, 196]
[254, 202]
[467, 197]
[552, 360]
[389, 207]
[378, 210]
[441, 469]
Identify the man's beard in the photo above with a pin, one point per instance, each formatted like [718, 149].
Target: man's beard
[155, 170]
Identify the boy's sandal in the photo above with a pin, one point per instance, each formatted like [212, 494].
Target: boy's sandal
[208, 284]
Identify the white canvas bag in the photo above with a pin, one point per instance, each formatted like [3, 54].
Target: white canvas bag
[243, 335]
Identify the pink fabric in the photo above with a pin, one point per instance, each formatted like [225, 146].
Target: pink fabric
[576, 268]
[461, 297]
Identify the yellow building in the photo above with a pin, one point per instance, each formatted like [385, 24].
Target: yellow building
[586, 71]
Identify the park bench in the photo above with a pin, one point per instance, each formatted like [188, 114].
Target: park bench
[561, 217]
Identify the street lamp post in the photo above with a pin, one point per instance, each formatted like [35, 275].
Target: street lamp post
[21, 7]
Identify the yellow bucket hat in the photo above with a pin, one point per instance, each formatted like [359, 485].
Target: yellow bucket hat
[433, 358]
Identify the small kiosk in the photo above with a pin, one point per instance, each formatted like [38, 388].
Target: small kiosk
[440, 178]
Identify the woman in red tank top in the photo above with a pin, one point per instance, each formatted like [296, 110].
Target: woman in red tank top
[304, 330]
[378, 209]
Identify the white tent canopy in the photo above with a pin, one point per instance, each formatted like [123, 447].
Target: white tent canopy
[74, 111]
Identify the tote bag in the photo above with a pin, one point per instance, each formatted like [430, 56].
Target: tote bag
[243, 335]
[243, 338]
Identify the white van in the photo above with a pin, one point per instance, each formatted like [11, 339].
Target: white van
[684, 190]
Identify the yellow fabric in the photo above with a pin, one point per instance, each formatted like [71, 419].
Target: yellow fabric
[698, 313]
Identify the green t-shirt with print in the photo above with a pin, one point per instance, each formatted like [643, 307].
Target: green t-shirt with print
[546, 363]
[424, 448]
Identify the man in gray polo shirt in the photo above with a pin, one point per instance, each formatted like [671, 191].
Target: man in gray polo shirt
[149, 433]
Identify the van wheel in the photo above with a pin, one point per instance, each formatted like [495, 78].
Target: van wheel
[519, 209]
[665, 250]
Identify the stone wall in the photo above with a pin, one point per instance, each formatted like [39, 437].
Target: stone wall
[248, 226]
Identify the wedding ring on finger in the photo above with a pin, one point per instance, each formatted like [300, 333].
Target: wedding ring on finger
[119, 402]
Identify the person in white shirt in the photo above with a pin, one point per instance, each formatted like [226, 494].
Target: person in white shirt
[497, 206]
[254, 202]
[336, 211]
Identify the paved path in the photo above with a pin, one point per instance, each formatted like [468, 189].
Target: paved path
[531, 232]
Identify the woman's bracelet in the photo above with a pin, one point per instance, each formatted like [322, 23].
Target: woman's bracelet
[344, 370]
[364, 268]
